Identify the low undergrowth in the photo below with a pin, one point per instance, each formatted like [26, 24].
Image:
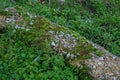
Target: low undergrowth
[19, 60]
[96, 20]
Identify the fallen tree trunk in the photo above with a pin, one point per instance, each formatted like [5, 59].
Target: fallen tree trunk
[75, 48]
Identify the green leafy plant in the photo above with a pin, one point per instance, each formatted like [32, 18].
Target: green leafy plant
[21, 60]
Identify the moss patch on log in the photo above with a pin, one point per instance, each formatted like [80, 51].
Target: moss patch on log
[40, 37]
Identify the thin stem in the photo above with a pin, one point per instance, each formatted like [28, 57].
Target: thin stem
[49, 3]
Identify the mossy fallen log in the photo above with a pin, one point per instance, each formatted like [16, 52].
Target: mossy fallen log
[76, 49]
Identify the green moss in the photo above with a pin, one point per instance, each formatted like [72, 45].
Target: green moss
[98, 53]
[38, 36]
[5, 13]
[83, 47]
